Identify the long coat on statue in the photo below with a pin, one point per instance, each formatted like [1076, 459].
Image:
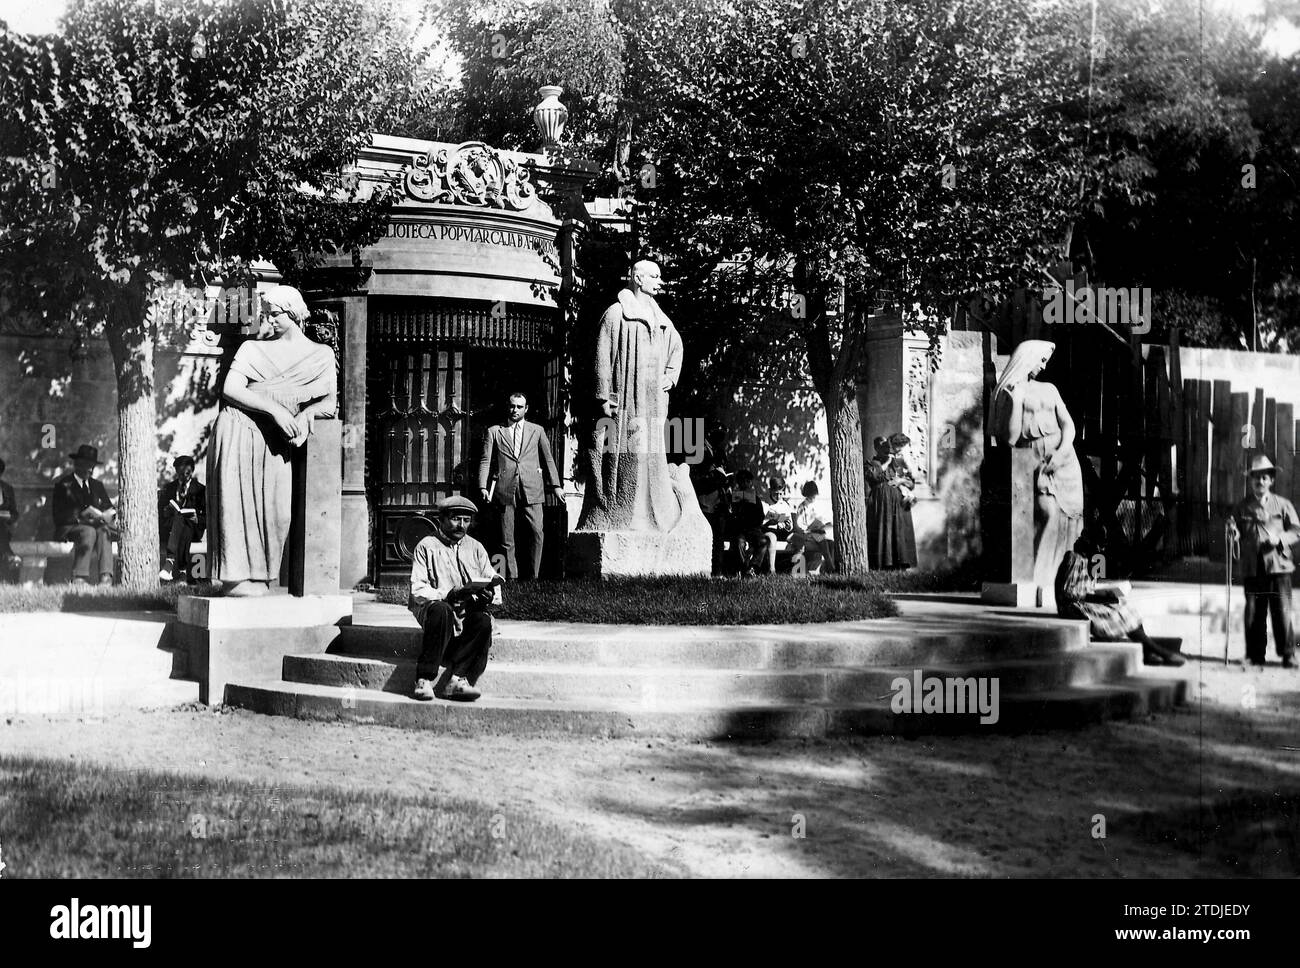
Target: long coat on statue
[638, 353]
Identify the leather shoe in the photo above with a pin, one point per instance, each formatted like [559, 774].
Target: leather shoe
[1158, 655]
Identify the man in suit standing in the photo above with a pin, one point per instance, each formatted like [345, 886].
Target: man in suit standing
[182, 509]
[84, 515]
[518, 455]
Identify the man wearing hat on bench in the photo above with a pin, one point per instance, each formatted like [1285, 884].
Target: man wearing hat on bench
[452, 585]
[84, 515]
[1264, 530]
[182, 509]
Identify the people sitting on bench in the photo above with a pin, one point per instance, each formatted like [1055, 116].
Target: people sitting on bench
[778, 519]
[1103, 604]
[745, 526]
[84, 515]
[809, 537]
[182, 516]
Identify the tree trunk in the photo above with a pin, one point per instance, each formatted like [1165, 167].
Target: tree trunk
[131, 341]
[837, 386]
[848, 496]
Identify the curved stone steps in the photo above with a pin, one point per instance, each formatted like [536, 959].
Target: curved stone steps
[1065, 708]
[880, 642]
[720, 682]
[553, 681]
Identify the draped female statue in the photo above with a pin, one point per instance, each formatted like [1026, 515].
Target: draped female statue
[277, 384]
[1030, 413]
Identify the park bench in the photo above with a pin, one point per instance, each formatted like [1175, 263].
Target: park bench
[50, 562]
[784, 555]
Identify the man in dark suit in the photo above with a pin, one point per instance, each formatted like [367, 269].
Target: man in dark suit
[10, 563]
[182, 510]
[84, 515]
[518, 455]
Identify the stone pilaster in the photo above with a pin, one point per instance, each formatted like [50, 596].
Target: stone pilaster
[355, 528]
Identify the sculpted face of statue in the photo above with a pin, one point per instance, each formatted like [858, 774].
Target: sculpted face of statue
[646, 279]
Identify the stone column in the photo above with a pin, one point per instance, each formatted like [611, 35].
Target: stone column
[315, 532]
[355, 526]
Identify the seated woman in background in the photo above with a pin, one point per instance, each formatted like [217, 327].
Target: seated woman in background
[809, 537]
[778, 520]
[1103, 604]
[891, 540]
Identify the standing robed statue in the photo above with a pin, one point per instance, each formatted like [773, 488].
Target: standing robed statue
[277, 385]
[1028, 412]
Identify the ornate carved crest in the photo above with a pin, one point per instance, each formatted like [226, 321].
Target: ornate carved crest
[470, 174]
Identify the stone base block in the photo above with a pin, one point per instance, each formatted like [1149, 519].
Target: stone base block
[230, 640]
[604, 554]
[1020, 594]
[265, 611]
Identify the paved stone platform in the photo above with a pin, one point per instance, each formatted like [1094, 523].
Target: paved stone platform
[731, 682]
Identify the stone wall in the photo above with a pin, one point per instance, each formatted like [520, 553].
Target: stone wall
[1277, 374]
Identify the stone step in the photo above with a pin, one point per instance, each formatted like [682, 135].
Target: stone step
[552, 681]
[1070, 707]
[889, 642]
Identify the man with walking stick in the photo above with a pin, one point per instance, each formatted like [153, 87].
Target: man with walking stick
[1263, 532]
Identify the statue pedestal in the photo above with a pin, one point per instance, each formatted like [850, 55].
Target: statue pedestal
[244, 639]
[1008, 526]
[685, 550]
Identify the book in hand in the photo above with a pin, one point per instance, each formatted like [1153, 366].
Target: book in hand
[182, 510]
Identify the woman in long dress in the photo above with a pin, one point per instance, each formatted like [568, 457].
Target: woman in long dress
[277, 384]
[1030, 413]
[891, 539]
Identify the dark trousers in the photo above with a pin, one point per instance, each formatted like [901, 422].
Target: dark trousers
[465, 654]
[8, 573]
[718, 525]
[179, 538]
[1265, 595]
[92, 551]
[532, 517]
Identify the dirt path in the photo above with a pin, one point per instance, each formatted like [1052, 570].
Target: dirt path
[1183, 794]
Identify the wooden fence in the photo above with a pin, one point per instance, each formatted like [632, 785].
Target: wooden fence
[1164, 456]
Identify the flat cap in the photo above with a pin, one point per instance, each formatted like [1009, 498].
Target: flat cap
[456, 503]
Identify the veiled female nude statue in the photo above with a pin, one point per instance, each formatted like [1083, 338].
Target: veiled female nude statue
[1030, 413]
[277, 384]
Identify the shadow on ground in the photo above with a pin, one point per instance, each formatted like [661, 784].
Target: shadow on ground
[1169, 801]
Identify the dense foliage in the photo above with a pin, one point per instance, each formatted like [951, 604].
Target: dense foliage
[179, 141]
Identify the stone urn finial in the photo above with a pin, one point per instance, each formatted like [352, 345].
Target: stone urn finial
[550, 114]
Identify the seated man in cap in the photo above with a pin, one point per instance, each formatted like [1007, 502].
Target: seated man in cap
[1264, 530]
[452, 585]
[182, 510]
[84, 515]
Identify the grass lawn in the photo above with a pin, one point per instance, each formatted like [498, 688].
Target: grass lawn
[95, 598]
[78, 821]
[688, 601]
[657, 601]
